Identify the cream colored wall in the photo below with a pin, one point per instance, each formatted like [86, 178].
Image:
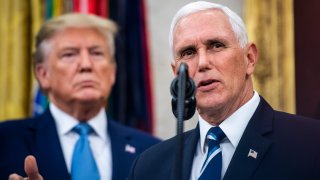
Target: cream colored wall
[159, 15]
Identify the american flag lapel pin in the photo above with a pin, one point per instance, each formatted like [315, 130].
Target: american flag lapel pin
[252, 153]
[130, 149]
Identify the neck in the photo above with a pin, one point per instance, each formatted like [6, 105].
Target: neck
[83, 114]
[81, 111]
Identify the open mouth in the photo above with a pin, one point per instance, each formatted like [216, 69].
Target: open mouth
[206, 83]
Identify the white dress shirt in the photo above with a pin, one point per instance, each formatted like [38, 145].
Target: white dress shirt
[233, 127]
[99, 141]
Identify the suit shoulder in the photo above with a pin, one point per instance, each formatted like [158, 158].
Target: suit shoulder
[8, 126]
[131, 133]
[296, 119]
[18, 127]
[296, 125]
[166, 146]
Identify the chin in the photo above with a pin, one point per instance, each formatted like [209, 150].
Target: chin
[88, 98]
[209, 103]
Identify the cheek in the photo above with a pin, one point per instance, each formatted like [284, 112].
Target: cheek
[192, 72]
[107, 76]
[237, 73]
[63, 77]
[63, 69]
[240, 68]
[233, 64]
[192, 68]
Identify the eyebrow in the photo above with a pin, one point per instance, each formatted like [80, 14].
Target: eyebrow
[214, 40]
[95, 47]
[69, 48]
[180, 51]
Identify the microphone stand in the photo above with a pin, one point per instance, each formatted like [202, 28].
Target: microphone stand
[182, 78]
[183, 107]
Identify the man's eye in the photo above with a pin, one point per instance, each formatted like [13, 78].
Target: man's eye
[187, 53]
[68, 55]
[97, 53]
[216, 45]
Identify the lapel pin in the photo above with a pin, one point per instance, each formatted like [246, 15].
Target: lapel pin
[252, 153]
[130, 149]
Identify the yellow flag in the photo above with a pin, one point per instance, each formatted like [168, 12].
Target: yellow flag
[16, 30]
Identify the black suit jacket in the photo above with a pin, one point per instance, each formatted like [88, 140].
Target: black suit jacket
[287, 146]
[38, 136]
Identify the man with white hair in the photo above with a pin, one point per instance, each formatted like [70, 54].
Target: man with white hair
[239, 135]
[73, 139]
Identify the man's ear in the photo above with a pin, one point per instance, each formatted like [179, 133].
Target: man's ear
[173, 67]
[42, 76]
[251, 56]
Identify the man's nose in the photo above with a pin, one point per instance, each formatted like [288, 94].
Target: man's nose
[85, 62]
[203, 61]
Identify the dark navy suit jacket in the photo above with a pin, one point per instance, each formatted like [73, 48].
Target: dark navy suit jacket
[287, 146]
[38, 136]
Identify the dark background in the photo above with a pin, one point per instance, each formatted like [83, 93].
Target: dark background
[307, 52]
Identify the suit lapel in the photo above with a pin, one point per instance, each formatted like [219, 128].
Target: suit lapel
[190, 146]
[123, 152]
[44, 144]
[252, 146]
[247, 157]
[117, 142]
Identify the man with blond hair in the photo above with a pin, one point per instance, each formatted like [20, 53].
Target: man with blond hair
[73, 139]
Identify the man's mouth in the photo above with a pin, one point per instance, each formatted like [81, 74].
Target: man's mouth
[207, 85]
[206, 82]
[87, 83]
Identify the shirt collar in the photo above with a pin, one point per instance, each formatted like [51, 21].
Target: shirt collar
[234, 125]
[65, 122]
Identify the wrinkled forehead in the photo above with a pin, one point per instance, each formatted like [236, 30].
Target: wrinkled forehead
[212, 18]
[203, 25]
[74, 38]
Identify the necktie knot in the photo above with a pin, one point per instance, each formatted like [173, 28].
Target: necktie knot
[83, 129]
[216, 134]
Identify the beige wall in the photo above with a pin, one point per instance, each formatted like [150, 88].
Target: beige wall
[159, 15]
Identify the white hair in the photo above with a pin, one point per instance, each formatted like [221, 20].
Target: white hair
[236, 22]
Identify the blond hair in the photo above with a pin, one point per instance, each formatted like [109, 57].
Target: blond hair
[106, 27]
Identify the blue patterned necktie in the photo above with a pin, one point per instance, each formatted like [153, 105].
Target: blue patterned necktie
[83, 165]
[211, 168]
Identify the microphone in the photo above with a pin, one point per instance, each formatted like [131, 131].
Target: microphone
[183, 107]
[186, 85]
